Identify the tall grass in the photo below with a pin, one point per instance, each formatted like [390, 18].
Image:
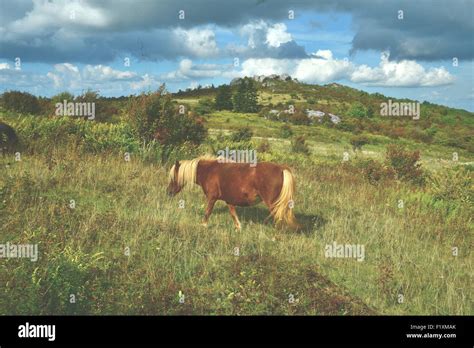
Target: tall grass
[127, 248]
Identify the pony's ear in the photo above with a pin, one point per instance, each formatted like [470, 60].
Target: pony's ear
[176, 165]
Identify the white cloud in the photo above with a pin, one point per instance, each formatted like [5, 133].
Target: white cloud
[323, 68]
[277, 35]
[199, 42]
[67, 76]
[405, 73]
[326, 54]
[188, 70]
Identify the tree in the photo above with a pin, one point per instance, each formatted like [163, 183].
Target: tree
[20, 102]
[205, 106]
[245, 99]
[224, 98]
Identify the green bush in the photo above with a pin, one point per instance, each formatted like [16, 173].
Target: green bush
[286, 131]
[358, 110]
[20, 102]
[357, 141]
[243, 134]
[155, 116]
[453, 185]
[205, 106]
[264, 146]
[299, 145]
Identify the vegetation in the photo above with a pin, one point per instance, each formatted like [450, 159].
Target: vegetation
[127, 248]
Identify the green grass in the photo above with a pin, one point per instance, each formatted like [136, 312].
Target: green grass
[122, 206]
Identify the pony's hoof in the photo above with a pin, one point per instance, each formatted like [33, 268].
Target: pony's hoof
[204, 224]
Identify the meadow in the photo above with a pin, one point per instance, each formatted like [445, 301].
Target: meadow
[112, 242]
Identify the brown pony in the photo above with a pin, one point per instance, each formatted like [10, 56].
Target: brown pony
[238, 184]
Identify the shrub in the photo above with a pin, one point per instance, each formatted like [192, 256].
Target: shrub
[21, 102]
[358, 110]
[286, 131]
[243, 134]
[299, 145]
[103, 108]
[375, 172]
[453, 185]
[264, 146]
[205, 106]
[155, 116]
[405, 164]
[299, 117]
[357, 141]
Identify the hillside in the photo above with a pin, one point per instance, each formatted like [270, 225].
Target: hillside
[359, 111]
[408, 218]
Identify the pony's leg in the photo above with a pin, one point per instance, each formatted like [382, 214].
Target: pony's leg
[234, 216]
[270, 206]
[210, 206]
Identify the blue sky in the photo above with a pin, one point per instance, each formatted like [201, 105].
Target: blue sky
[50, 46]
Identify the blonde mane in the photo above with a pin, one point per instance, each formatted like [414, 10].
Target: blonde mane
[187, 171]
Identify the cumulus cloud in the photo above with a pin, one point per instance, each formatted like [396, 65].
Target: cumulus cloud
[199, 42]
[267, 40]
[323, 68]
[67, 76]
[188, 70]
[405, 73]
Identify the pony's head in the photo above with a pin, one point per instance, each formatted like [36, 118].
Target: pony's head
[174, 187]
[182, 173]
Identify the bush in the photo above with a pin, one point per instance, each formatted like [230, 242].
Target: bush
[243, 134]
[286, 131]
[299, 117]
[358, 141]
[205, 106]
[264, 146]
[358, 110]
[453, 185]
[375, 172]
[103, 109]
[20, 102]
[405, 164]
[299, 145]
[155, 116]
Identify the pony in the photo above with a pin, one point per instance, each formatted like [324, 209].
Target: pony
[238, 184]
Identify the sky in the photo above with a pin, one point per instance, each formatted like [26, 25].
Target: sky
[422, 50]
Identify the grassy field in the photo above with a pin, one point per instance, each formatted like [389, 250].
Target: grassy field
[127, 248]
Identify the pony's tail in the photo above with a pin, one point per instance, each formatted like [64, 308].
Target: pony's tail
[282, 209]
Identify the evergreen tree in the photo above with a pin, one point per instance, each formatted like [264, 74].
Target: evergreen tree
[224, 98]
[245, 99]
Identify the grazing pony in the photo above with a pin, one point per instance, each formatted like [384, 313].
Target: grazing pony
[238, 184]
